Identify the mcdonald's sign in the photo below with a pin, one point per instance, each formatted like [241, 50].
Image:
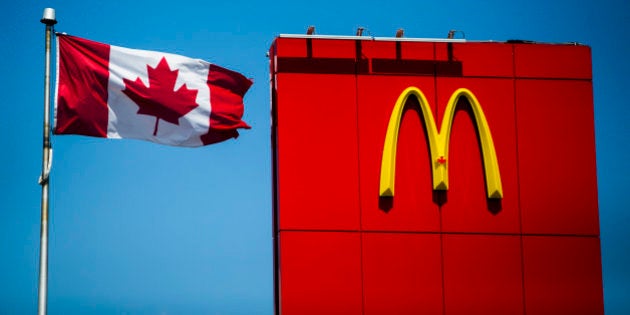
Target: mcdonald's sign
[364, 134]
[439, 142]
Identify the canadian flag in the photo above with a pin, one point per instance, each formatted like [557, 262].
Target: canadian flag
[116, 92]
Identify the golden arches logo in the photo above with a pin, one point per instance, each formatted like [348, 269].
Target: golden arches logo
[439, 143]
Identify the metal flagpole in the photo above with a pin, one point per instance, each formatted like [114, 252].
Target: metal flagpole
[48, 19]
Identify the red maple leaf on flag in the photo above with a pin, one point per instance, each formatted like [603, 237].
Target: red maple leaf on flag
[159, 99]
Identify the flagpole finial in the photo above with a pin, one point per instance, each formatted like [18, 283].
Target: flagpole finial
[49, 17]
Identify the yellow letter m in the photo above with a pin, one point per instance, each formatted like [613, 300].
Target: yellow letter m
[439, 143]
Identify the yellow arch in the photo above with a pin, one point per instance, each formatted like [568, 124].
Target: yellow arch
[439, 143]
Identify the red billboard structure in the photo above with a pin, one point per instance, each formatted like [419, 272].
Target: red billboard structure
[433, 177]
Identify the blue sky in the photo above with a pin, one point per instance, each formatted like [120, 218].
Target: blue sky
[139, 228]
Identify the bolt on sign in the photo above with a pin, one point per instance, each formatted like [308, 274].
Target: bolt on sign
[377, 209]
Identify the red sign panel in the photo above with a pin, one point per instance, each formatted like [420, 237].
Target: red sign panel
[491, 203]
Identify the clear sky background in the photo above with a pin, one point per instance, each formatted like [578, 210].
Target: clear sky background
[139, 228]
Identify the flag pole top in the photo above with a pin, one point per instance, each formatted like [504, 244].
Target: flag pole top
[49, 17]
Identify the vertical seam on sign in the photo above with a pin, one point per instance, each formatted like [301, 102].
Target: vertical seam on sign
[437, 117]
[358, 53]
[518, 180]
[309, 48]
